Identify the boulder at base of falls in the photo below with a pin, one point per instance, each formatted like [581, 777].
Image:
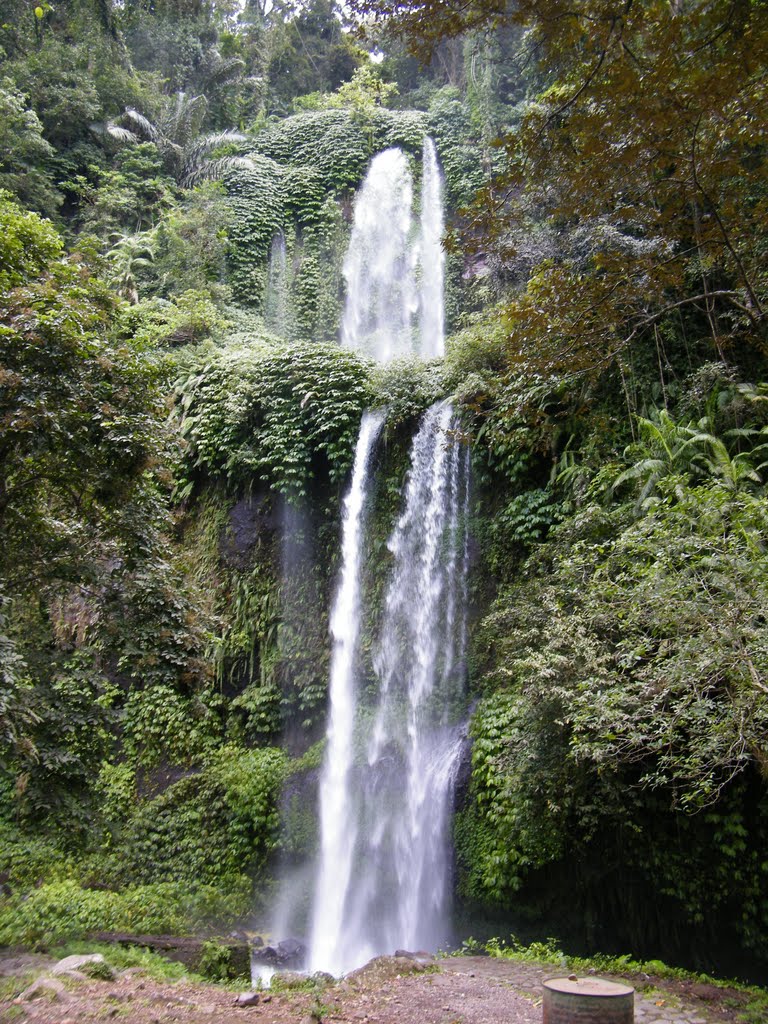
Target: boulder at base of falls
[385, 968]
[288, 953]
[421, 957]
[285, 981]
[77, 963]
[247, 999]
[50, 989]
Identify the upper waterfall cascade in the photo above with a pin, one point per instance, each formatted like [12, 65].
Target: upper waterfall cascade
[431, 257]
[394, 267]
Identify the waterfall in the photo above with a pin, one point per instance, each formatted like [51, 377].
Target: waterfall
[386, 790]
[432, 255]
[276, 293]
[415, 743]
[390, 883]
[338, 824]
[393, 270]
[381, 298]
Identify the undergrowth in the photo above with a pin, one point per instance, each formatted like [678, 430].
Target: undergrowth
[61, 911]
[214, 964]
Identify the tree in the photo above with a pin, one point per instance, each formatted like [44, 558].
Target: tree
[193, 242]
[131, 195]
[81, 416]
[128, 257]
[186, 153]
[308, 52]
[644, 153]
[24, 153]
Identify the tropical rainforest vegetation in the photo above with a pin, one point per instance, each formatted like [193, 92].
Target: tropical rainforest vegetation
[165, 411]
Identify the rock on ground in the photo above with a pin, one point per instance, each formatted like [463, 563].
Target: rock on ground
[76, 963]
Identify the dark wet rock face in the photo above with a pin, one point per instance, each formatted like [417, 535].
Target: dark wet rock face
[250, 519]
[289, 953]
[463, 776]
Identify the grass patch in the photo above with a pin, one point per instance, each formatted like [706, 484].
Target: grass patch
[153, 965]
[58, 911]
[14, 985]
[122, 957]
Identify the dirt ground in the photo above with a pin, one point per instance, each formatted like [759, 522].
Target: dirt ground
[389, 990]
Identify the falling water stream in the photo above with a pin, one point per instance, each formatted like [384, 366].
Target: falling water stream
[381, 295]
[396, 894]
[432, 256]
[394, 267]
[338, 824]
[279, 316]
[386, 790]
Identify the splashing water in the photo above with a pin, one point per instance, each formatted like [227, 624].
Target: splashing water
[390, 885]
[338, 823]
[394, 269]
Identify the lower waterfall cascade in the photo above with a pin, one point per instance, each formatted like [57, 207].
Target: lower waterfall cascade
[383, 877]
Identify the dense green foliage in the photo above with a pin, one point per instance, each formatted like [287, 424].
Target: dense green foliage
[277, 416]
[177, 423]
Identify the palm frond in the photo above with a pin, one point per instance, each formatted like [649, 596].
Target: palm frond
[142, 125]
[650, 468]
[213, 170]
[223, 70]
[183, 117]
[121, 134]
[206, 144]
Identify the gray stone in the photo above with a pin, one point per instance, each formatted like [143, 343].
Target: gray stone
[76, 963]
[288, 980]
[247, 999]
[45, 988]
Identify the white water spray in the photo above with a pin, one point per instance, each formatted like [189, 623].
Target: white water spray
[394, 268]
[390, 884]
[338, 822]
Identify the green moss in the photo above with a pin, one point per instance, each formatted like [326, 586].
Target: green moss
[282, 416]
